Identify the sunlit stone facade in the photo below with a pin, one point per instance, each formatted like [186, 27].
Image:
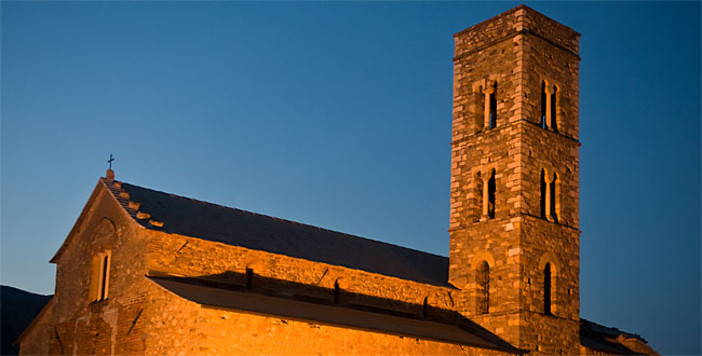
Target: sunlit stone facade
[505, 60]
[145, 272]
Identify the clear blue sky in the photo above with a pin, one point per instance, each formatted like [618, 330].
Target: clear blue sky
[339, 115]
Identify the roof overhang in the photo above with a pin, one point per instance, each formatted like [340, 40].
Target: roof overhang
[333, 315]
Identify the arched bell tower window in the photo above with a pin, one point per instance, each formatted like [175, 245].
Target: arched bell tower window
[491, 187]
[483, 288]
[548, 284]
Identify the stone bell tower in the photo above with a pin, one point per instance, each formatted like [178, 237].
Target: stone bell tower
[514, 180]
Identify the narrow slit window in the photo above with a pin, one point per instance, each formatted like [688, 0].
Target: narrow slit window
[478, 196]
[105, 275]
[249, 278]
[102, 282]
[480, 110]
[425, 310]
[547, 289]
[483, 282]
[553, 108]
[493, 108]
[491, 196]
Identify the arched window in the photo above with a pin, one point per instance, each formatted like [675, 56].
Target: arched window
[483, 284]
[543, 104]
[552, 198]
[547, 289]
[544, 193]
[491, 196]
[425, 310]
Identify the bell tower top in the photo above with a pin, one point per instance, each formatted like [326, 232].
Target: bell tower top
[525, 50]
[521, 19]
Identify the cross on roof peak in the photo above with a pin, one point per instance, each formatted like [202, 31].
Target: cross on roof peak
[110, 175]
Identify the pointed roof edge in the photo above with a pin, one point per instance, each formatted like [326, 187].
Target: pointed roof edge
[511, 11]
[81, 217]
[132, 217]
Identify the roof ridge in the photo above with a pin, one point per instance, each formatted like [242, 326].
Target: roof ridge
[281, 219]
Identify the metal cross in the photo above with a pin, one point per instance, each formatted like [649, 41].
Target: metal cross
[110, 160]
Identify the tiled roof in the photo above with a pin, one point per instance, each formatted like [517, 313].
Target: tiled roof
[189, 217]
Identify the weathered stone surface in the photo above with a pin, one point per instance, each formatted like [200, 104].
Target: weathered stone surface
[517, 50]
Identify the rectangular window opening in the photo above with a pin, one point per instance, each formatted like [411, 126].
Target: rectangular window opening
[493, 110]
[103, 276]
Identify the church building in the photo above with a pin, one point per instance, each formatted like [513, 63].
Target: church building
[148, 272]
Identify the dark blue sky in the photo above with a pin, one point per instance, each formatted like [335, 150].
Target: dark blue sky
[339, 115]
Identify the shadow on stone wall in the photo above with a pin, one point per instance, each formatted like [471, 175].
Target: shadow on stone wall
[250, 283]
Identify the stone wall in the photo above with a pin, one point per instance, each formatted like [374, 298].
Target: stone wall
[507, 58]
[183, 327]
[78, 323]
[190, 257]
[543, 242]
[541, 149]
[520, 51]
[138, 316]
